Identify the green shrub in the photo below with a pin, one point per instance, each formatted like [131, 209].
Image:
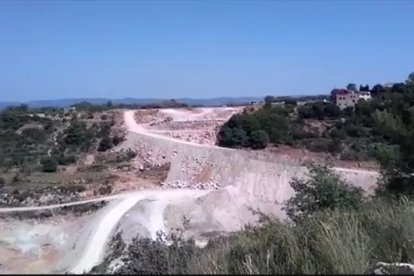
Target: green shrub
[232, 137]
[117, 140]
[105, 189]
[299, 134]
[16, 178]
[66, 159]
[337, 133]
[319, 145]
[259, 139]
[49, 165]
[352, 156]
[356, 131]
[105, 144]
[291, 102]
[323, 190]
[323, 145]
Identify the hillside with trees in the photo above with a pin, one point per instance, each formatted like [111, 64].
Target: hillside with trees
[33, 139]
[371, 130]
[44, 151]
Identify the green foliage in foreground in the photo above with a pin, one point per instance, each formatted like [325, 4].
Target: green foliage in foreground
[331, 241]
[324, 190]
[49, 165]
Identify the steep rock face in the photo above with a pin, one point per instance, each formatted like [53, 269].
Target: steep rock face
[237, 181]
[220, 167]
[249, 179]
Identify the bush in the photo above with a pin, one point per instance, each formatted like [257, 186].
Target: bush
[337, 133]
[352, 156]
[232, 137]
[16, 178]
[146, 256]
[49, 165]
[324, 190]
[117, 139]
[66, 159]
[356, 130]
[259, 139]
[105, 189]
[291, 102]
[105, 144]
[131, 154]
[319, 145]
[2, 182]
[299, 134]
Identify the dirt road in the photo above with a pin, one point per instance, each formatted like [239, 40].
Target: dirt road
[129, 119]
[54, 206]
[95, 249]
[132, 126]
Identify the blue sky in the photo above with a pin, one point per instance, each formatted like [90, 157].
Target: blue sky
[200, 49]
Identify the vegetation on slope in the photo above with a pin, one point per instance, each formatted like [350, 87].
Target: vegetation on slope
[372, 129]
[42, 139]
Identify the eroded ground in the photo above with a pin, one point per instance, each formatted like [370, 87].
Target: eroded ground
[197, 125]
[38, 246]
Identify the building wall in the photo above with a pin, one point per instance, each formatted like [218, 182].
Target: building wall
[344, 100]
[365, 95]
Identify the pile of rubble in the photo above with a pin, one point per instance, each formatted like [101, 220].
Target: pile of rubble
[184, 125]
[203, 137]
[189, 185]
[146, 157]
[200, 132]
[149, 161]
[143, 116]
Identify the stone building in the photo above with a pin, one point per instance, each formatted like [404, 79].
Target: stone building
[344, 98]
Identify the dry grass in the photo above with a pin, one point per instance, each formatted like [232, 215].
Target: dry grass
[329, 243]
[332, 242]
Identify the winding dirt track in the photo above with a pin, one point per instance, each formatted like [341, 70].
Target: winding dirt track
[54, 206]
[132, 126]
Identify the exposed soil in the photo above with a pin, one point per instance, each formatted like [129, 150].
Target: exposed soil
[201, 125]
[302, 155]
[193, 125]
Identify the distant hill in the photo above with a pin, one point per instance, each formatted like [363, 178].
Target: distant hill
[189, 101]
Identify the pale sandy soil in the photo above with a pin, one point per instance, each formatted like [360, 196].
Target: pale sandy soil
[38, 247]
[196, 125]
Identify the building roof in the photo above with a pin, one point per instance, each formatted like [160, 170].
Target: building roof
[339, 92]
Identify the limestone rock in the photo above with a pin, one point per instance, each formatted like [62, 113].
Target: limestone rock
[381, 268]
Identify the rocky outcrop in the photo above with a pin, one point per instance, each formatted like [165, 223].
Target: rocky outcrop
[200, 166]
[392, 268]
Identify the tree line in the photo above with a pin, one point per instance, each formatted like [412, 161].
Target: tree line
[363, 132]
